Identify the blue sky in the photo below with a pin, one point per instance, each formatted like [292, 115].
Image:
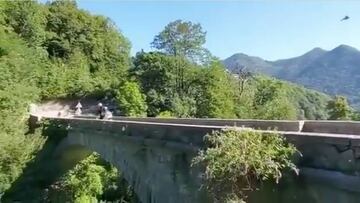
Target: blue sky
[269, 29]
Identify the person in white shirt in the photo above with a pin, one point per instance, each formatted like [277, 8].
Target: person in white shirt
[108, 114]
[78, 108]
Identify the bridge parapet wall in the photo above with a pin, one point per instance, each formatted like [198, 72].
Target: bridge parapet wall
[255, 124]
[187, 136]
[334, 127]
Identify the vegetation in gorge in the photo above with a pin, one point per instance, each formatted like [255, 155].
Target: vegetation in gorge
[90, 180]
[17, 91]
[50, 51]
[84, 182]
[237, 161]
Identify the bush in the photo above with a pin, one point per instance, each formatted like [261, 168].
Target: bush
[183, 107]
[339, 109]
[131, 101]
[236, 161]
[165, 114]
[277, 109]
[92, 179]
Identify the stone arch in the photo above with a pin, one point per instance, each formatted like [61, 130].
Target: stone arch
[156, 172]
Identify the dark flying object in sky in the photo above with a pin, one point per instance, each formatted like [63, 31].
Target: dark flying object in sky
[345, 18]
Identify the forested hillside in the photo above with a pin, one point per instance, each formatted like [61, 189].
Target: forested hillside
[51, 51]
[56, 50]
[333, 72]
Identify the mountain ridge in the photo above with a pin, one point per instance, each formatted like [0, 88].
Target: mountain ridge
[334, 72]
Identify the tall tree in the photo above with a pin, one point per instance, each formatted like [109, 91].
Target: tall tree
[216, 93]
[131, 100]
[339, 108]
[243, 76]
[271, 102]
[182, 38]
[157, 74]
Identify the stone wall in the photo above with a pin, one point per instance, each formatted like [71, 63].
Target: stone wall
[256, 124]
[338, 127]
[335, 127]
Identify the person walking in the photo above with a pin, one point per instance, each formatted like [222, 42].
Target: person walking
[108, 114]
[78, 108]
[100, 111]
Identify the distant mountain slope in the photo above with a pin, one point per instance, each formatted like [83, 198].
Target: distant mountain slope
[289, 68]
[255, 64]
[335, 72]
[311, 104]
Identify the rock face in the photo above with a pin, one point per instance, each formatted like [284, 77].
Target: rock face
[335, 72]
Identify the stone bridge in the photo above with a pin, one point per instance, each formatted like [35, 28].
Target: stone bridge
[155, 154]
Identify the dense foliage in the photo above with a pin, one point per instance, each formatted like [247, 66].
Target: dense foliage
[339, 109]
[210, 91]
[90, 180]
[85, 181]
[131, 100]
[215, 96]
[17, 90]
[50, 51]
[84, 53]
[299, 102]
[235, 161]
[184, 39]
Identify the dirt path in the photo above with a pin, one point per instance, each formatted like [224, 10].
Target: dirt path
[66, 107]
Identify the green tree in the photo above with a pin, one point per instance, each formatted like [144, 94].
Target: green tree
[88, 180]
[28, 19]
[339, 108]
[19, 65]
[270, 101]
[130, 99]
[50, 51]
[215, 97]
[183, 107]
[103, 47]
[88, 54]
[244, 91]
[182, 38]
[277, 109]
[152, 70]
[157, 74]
